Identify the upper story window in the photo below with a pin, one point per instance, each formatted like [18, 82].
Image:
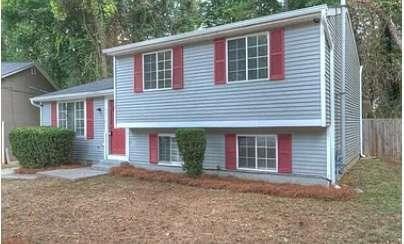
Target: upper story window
[247, 57]
[157, 70]
[71, 116]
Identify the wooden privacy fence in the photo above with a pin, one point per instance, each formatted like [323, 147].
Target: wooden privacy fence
[382, 138]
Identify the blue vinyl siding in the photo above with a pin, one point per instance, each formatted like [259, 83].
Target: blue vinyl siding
[334, 24]
[295, 98]
[93, 149]
[347, 133]
[308, 148]
[84, 149]
[353, 99]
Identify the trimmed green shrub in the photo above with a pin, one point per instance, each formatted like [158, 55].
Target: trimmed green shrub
[192, 145]
[38, 147]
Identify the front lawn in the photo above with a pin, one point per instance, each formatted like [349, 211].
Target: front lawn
[106, 209]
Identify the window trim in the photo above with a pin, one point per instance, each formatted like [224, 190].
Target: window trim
[256, 158]
[268, 34]
[74, 112]
[167, 163]
[156, 53]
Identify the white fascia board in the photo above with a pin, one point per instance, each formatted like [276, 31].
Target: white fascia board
[241, 27]
[224, 124]
[72, 96]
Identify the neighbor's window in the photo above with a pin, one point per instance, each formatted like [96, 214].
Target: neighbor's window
[257, 152]
[157, 70]
[168, 150]
[247, 58]
[71, 116]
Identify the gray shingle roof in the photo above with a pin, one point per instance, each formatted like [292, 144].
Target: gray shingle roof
[8, 68]
[94, 86]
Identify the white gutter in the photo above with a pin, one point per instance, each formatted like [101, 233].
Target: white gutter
[271, 21]
[70, 96]
[34, 104]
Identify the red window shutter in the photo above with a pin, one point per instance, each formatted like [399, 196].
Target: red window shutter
[138, 79]
[284, 153]
[54, 122]
[220, 61]
[230, 150]
[277, 55]
[153, 148]
[178, 67]
[90, 118]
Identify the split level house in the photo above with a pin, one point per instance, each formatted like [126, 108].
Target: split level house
[279, 97]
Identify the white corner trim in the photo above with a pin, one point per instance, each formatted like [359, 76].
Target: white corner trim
[223, 124]
[322, 71]
[332, 125]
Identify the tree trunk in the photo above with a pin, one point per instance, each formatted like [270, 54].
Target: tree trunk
[394, 33]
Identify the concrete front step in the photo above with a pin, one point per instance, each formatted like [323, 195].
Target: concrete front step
[105, 165]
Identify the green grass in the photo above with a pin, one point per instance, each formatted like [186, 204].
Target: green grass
[381, 183]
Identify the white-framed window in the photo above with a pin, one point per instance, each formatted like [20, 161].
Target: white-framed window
[168, 150]
[257, 152]
[157, 70]
[71, 116]
[247, 57]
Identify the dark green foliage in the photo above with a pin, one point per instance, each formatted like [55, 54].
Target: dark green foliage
[192, 145]
[38, 147]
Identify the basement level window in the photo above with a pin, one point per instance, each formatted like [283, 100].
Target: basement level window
[257, 152]
[168, 150]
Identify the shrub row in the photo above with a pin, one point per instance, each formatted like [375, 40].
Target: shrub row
[39, 147]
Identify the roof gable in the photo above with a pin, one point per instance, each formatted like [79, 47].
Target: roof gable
[10, 68]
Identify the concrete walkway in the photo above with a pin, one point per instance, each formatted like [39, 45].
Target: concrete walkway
[73, 174]
[9, 174]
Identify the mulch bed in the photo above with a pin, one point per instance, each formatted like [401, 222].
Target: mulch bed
[34, 171]
[237, 185]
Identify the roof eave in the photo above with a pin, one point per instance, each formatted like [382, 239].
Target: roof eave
[72, 96]
[17, 70]
[271, 21]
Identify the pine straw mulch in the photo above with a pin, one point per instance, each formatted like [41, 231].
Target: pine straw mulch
[237, 185]
[34, 171]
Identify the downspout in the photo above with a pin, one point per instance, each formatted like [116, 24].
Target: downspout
[360, 111]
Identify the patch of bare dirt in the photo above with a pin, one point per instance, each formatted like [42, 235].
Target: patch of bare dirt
[112, 209]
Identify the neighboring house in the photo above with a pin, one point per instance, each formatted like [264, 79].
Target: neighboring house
[20, 82]
[279, 97]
